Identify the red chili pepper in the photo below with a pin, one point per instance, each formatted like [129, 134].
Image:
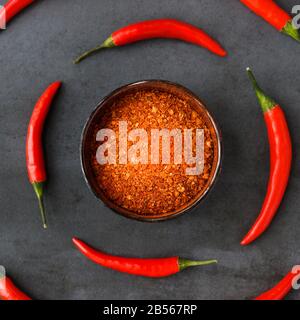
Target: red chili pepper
[273, 14]
[13, 7]
[281, 290]
[8, 291]
[34, 148]
[153, 268]
[163, 28]
[281, 159]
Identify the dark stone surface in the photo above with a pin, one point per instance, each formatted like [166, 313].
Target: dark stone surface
[38, 48]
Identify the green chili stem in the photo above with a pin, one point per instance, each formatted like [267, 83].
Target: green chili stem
[38, 188]
[265, 101]
[291, 31]
[108, 43]
[183, 263]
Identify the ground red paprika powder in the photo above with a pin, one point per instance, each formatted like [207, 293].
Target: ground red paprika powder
[153, 190]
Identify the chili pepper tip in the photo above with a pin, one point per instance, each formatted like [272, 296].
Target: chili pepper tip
[223, 52]
[245, 242]
[77, 242]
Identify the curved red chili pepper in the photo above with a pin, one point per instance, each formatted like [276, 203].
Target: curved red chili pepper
[34, 148]
[154, 268]
[274, 15]
[162, 28]
[281, 290]
[13, 7]
[280, 158]
[8, 291]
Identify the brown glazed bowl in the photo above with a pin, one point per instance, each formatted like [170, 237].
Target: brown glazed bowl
[168, 87]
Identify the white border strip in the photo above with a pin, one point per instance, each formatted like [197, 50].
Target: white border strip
[2, 18]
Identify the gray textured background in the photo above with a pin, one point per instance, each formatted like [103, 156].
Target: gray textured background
[38, 47]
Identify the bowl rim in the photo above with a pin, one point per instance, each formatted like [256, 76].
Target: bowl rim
[129, 214]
